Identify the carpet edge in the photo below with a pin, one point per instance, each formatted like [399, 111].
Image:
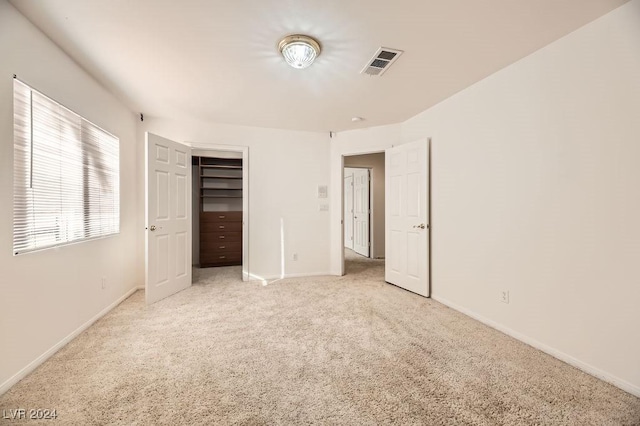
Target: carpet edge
[574, 362]
[11, 381]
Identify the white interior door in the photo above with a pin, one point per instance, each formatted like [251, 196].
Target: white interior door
[348, 210]
[406, 210]
[168, 215]
[361, 211]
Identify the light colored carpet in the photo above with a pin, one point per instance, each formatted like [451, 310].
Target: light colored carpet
[327, 350]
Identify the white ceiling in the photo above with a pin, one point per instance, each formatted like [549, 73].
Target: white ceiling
[217, 60]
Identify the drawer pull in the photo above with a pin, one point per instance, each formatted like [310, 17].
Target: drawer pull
[221, 237]
[222, 247]
[223, 257]
[221, 226]
[221, 217]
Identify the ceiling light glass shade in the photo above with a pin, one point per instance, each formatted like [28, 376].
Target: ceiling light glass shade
[299, 50]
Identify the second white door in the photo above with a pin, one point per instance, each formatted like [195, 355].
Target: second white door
[361, 212]
[348, 211]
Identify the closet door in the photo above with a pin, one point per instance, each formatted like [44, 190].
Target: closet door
[168, 216]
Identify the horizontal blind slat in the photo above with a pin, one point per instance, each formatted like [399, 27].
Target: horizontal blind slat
[66, 175]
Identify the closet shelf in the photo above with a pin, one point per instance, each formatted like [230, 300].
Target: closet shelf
[221, 177]
[221, 166]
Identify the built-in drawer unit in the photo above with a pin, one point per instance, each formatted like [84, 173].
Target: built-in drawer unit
[220, 238]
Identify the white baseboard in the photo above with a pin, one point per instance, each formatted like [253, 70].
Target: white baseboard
[587, 368]
[253, 277]
[310, 274]
[55, 348]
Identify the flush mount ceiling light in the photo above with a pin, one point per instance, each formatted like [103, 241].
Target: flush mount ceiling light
[299, 50]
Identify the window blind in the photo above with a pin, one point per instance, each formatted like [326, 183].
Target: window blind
[66, 175]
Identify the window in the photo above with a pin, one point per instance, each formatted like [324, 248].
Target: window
[66, 175]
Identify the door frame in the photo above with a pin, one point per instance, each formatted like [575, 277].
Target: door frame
[201, 151]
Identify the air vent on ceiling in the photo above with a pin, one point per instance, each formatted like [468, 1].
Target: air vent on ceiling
[381, 61]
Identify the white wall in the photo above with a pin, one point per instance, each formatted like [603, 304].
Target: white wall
[355, 142]
[536, 190]
[375, 162]
[49, 294]
[285, 169]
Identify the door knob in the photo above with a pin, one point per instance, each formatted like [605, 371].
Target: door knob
[421, 226]
[152, 228]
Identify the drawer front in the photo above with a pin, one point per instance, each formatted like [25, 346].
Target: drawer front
[208, 258]
[217, 264]
[220, 217]
[211, 237]
[220, 246]
[221, 227]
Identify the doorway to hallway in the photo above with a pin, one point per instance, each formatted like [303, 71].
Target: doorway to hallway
[364, 211]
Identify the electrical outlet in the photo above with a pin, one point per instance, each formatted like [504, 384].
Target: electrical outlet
[295, 256]
[104, 282]
[504, 296]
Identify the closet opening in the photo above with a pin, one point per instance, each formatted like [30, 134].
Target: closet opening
[218, 213]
